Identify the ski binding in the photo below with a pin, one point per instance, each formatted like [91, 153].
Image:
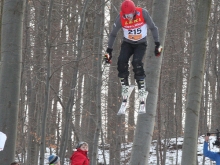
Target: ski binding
[142, 104]
[125, 97]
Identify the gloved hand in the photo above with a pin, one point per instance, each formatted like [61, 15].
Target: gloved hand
[109, 56]
[158, 49]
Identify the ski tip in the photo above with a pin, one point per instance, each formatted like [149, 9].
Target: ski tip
[141, 112]
[119, 113]
[142, 109]
[122, 110]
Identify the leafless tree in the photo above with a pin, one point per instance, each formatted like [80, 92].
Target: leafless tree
[10, 74]
[196, 82]
[141, 148]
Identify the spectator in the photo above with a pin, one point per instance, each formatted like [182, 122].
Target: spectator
[53, 160]
[80, 157]
[214, 156]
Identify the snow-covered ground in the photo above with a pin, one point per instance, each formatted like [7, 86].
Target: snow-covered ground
[173, 155]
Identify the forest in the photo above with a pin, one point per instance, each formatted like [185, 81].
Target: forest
[56, 90]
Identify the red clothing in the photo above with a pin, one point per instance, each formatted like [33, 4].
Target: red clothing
[137, 22]
[135, 29]
[79, 157]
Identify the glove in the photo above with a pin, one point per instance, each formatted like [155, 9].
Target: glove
[158, 49]
[108, 57]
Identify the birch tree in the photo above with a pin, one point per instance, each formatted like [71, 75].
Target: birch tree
[145, 122]
[10, 74]
[195, 82]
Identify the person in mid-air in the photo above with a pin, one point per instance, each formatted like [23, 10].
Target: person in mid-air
[135, 22]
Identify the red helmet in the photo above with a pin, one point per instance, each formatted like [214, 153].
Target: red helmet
[127, 7]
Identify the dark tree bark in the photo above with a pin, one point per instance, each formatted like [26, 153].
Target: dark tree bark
[10, 74]
[143, 134]
[196, 83]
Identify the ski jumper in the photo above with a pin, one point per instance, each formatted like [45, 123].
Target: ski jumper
[79, 157]
[215, 156]
[134, 41]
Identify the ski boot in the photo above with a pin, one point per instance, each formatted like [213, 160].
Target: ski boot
[124, 87]
[126, 92]
[142, 93]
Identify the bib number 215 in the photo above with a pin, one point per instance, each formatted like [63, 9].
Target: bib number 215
[134, 31]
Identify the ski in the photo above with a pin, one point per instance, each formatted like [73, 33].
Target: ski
[142, 102]
[142, 108]
[125, 96]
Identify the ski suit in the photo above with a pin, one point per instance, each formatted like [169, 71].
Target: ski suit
[134, 41]
[215, 156]
[79, 157]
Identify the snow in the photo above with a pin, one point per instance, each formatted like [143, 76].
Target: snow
[3, 138]
[173, 155]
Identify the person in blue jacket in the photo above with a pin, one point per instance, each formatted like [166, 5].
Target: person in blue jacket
[215, 156]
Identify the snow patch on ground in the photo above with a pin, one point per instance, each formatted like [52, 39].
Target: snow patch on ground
[173, 153]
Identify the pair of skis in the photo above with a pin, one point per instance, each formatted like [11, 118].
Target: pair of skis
[125, 98]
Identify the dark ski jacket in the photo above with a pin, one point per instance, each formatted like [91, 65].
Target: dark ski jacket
[215, 156]
[79, 157]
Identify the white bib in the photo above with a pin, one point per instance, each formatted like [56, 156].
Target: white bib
[135, 34]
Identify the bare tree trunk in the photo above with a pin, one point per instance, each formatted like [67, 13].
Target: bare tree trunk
[212, 64]
[97, 49]
[1, 10]
[204, 115]
[143, 134]
[10, 74]
[47, 87]
[57, 37]
[115, 124]
[131, 123]
[196, 83]
[78, 105]
[217, 73]
[92, 25]
[86, 105]
[67, 53]
[69, 107]
[35, 86]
